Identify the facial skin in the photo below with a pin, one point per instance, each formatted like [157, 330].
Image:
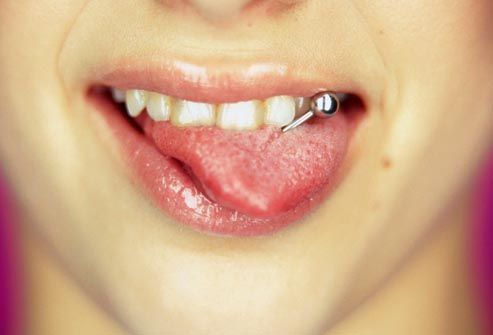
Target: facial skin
[426, 67]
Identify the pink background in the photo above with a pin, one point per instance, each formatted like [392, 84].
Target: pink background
[9, 278]
[481, 256]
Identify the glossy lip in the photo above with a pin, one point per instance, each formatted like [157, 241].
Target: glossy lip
[139, 153]
[218, 83]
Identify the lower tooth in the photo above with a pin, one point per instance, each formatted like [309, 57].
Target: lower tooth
[189, 113]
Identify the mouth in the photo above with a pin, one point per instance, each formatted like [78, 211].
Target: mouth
[208, 149]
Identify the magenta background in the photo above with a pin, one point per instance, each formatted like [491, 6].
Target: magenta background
[482, 253]
[481, 256]
[9, 285]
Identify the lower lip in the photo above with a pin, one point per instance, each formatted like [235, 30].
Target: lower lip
[166, 182]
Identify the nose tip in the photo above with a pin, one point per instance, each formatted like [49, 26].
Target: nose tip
[219, 9]
[229, 9]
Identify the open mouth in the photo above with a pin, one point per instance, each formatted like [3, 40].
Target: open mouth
[220, 163]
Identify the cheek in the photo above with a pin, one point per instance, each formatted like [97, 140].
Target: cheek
[31, 106]
[33, 37]
[435, 119]
[429, 38]
[29, 61]
[438, 61]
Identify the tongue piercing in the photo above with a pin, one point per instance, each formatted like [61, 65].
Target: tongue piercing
[323, 104]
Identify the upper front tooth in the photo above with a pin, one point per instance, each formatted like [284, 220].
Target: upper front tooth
[118, 95]
[136, 102]
[240, 115]
[189, 113]
[280, 110]
[158, 106]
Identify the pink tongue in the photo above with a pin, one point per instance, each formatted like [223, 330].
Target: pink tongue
[260, 173]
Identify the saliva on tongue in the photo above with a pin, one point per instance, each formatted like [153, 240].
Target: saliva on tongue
[262, 173]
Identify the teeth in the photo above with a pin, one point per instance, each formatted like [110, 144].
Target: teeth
[276, 111]
[158, 106]
[280, 110]
[136, 102]
[189, 113]
[302, 105]
[118, 95]
[247, 115]
[342, 96]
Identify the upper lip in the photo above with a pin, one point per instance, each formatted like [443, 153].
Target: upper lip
[222, 82]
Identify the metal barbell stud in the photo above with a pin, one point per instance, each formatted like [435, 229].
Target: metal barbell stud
[323, 104]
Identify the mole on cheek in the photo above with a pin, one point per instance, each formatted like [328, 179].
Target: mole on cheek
[386, 163]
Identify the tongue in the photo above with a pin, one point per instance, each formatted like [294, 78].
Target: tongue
[260, 173]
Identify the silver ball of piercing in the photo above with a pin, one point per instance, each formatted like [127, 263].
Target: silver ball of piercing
[323, 104]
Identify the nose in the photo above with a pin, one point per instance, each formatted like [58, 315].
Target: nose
[226, 9]
[219, 9]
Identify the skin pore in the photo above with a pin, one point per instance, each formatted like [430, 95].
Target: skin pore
[425, 70]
